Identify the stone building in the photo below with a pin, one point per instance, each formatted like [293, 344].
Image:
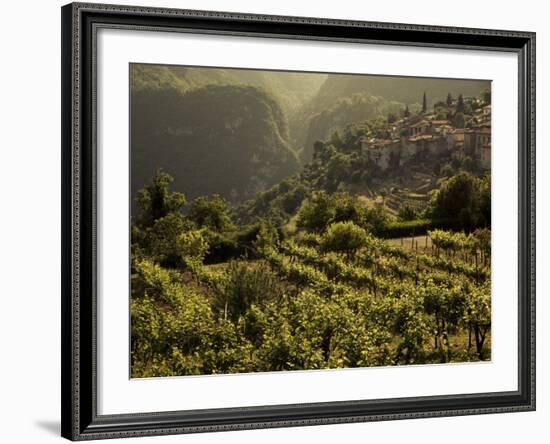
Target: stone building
[475, 139]
[381, 151]
[417, 135]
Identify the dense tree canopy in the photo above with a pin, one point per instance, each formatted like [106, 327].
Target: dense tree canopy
[465, 199]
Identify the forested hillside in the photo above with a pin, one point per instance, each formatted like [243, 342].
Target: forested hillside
[218, 129]
[227, 139]
[342, 112]
[407, 90]
[290, 88]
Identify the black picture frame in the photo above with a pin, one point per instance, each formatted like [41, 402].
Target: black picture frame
[80, 420]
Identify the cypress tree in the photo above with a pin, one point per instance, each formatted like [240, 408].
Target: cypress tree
[460, 104]
[424, 104]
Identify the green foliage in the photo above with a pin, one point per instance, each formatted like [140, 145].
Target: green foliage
[160, 241]
[158, 336]
[222, 246]
[407, 213]
[298, 276]
[192, 246]
[306, 307]
[460, 104]
[267, 239]
[478, 316]
[246, 285]
[459, 120]
[212, 213]
[412, 324]
[160, 223]
[424, 104]
[462, 198]
[448, 240]
[155, 201]
[322, 209]
[344, 237]
[317, 213]
[341, 113]
[404, 89]
[415, 227]
[227, 139]
[482, 241]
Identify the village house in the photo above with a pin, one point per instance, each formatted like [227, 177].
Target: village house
[475, 139]
[419, 128]
[381, 151]
[417, 135]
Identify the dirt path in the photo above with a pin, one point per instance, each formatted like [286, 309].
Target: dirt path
[409, 243]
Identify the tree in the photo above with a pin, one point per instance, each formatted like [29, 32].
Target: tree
[211, 212]
[375, 218]
[160, 240]
[459, 120]
[407, 212]
[458, 199]
[324, 209]
[406, 113]
[317, 212]
[155, 201]
[449, 100]
[460, 104]
[267, 239]
[345, 237]
[486, 96]
[338, 170]
[485, 200]
[478, 315]
[192, 246]
[247, 285]
[424, 104]
[392, 118]
[447, 306]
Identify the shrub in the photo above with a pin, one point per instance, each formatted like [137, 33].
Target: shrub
[155, 201]
[211, 212]
[160, 241]
[407, 213]
[317, 213]
[192, 246]
[415, 227]
[345, 237]
[222, 247]
[247, 285]
[267, 239]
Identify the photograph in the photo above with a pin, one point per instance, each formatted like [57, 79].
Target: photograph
[287, 220]
[281, 221]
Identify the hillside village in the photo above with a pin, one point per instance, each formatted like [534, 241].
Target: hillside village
[423, 134]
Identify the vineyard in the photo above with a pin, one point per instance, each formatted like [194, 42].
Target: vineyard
[332, 299]
[340, 264]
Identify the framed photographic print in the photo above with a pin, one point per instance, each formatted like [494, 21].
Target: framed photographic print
[283, 221]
